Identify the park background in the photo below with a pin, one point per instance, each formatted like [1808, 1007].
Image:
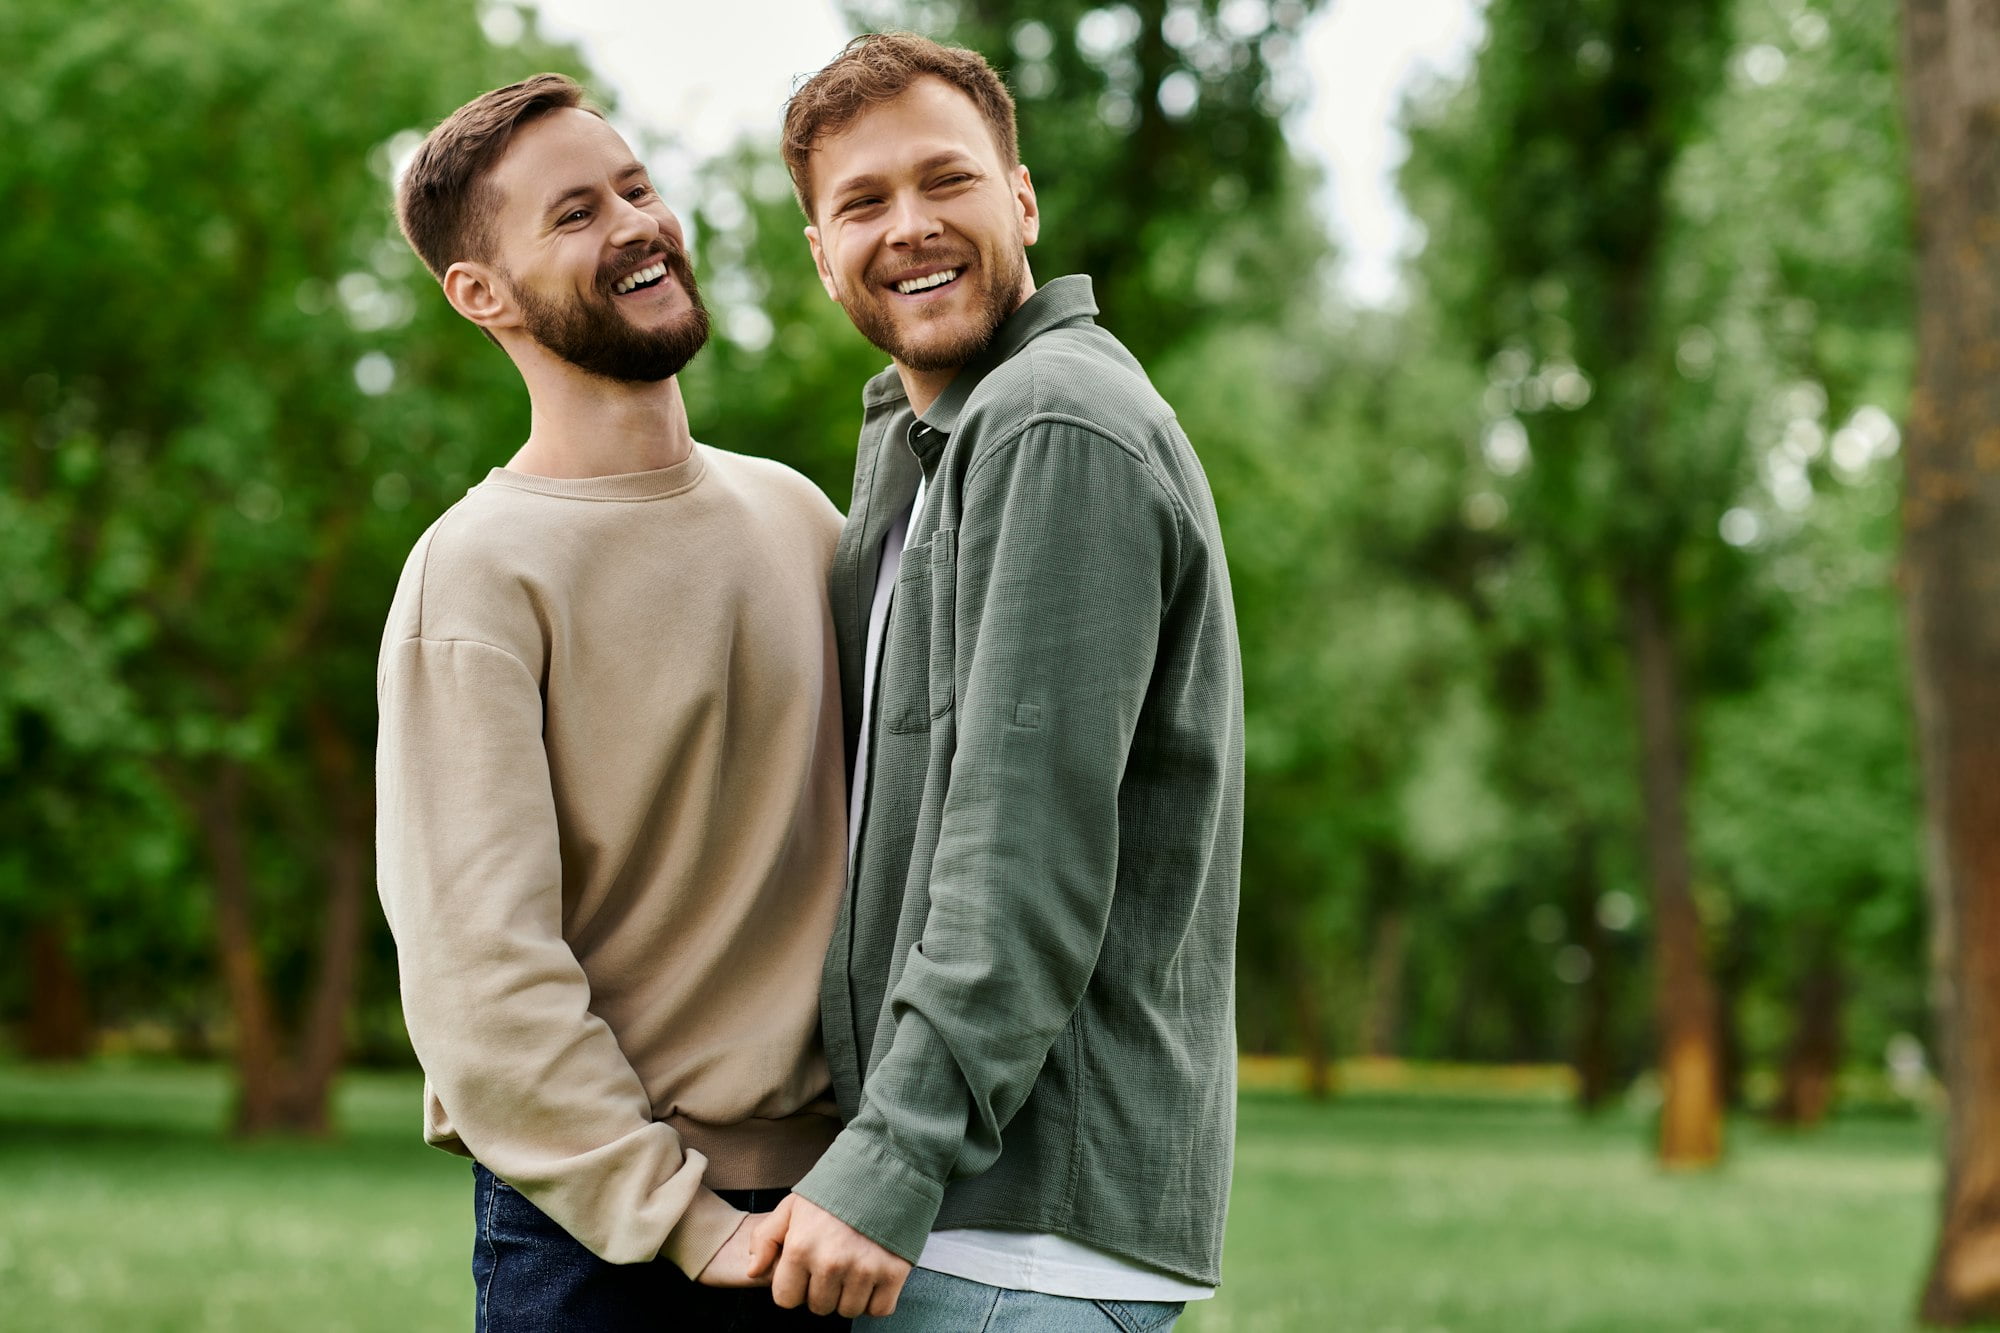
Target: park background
[1605, 963]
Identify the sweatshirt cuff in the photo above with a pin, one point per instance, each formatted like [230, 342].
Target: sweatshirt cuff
[879, 1195]
[703, 1229]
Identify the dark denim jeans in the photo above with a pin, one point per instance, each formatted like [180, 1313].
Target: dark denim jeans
[531, 1276]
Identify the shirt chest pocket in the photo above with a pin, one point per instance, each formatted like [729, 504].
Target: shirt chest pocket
[918, 669]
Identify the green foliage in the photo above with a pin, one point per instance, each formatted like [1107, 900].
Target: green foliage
[1807, 807]
[1796, 340]
[232, 401]
[1665, 361]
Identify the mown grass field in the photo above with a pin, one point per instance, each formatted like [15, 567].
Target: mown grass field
[122, 1207]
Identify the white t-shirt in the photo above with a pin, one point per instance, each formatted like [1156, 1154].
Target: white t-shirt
[1016, 1260]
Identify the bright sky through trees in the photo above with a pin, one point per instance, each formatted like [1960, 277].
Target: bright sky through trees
[708, 77]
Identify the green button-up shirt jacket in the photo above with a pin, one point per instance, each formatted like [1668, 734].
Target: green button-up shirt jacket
[1028, 1000]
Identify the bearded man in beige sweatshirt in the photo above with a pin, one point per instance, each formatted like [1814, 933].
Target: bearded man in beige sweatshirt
[611, 835]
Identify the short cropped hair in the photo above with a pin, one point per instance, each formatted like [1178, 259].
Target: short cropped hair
[445, 203]
[878, 67]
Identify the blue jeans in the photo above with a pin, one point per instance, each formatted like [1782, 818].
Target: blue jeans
[531, 1276]
[940, 1303]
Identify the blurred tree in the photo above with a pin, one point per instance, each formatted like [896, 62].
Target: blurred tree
[203, 429]
[1806, 806]
[1766, 342]
[55, 703]
[1561, 152]
[1951, 525]
[1795, 341]
[1351, 668]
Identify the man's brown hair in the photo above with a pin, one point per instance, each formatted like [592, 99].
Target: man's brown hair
[878, 67]
[445, 204]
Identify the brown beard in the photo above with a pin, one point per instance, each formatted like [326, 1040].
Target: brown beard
[590, 333]
[871, 316]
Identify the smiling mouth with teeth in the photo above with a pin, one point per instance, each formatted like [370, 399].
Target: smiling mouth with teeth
[911, 286]
[646, 277]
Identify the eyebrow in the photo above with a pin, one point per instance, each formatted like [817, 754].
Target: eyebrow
[556, 201]
[872, 181]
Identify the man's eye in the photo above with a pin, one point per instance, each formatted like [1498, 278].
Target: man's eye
[639, 192]
[854, 205]
[576, 215]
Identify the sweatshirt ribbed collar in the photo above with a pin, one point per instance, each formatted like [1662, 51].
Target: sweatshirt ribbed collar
[655, 485]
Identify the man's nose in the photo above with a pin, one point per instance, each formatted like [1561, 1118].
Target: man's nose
[912, 221]
[631, 224]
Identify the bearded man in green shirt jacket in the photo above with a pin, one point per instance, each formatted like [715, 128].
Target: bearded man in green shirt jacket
[1028, 998]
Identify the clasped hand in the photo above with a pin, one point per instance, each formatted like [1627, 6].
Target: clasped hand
[820, 1262]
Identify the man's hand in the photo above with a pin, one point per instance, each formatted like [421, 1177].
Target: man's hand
[824, 1263]
[731, 1265]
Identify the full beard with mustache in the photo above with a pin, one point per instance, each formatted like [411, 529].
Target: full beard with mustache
[591, 334]
[871, 315]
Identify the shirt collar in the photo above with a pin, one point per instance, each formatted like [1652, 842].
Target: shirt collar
[1063, 301]
[885, 386]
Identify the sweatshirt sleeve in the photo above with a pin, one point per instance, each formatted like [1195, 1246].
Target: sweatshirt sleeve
[1065, 556]
[498, 1008]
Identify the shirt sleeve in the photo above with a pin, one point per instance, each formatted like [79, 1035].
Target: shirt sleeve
[498, 1008]
[1066, 555]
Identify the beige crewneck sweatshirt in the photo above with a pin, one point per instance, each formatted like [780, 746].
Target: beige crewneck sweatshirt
[611, 841]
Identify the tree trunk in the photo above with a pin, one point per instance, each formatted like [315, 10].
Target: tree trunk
[58, 1026]
[1690, 1067]
[322, 1038]
[1461, 1034]
[1382, 1025]
[1112, 263]
[1812, 1063]
[274, 1094]
[1732, 972]
[259, 1079]
[1951, 572]
[1309, 1009]
[1592, 1055]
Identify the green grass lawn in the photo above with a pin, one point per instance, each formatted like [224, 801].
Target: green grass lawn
[1417, 1215]
[121, 1207]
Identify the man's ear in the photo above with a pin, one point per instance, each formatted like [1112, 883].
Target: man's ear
[819, 262]
[1024, 200]
[475, 291]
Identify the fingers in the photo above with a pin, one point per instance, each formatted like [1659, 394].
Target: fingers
[788, 1283]
[827, 1285]
[764, 1252]
[856, 1297]
[768, 1241]
[824, 1264]
[882, 1303]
